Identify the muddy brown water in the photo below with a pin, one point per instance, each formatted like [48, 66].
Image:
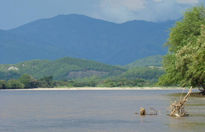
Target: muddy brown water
[95, 111]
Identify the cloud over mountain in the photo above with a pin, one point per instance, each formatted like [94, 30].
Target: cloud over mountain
[150, 10]
[14, 13]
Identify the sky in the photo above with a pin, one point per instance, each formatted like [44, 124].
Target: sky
[14, 13]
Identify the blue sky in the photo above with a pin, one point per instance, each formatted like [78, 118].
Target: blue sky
[17, 12]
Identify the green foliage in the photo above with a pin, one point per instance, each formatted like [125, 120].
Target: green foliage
[2, 84]
[79, 73]
[6, 75]
[82, 83]
[28, 81]
[190, 62]
[137, 76]
[187, 30]
[14, 84]
[148, 61]
[148, 68]
[123, 82]
[62, 69]
[47, 82]
[185, 63]
[147, 73]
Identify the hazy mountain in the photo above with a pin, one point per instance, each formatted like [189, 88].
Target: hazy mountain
[84, 37]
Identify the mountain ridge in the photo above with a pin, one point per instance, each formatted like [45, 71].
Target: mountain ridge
[80, 36]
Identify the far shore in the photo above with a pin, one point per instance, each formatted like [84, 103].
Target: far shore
[101, 88]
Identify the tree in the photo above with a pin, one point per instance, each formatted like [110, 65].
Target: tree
[2, 84]
[185, 62]
[28, 81]
[187, 30]
[47, 82]
[14, 84]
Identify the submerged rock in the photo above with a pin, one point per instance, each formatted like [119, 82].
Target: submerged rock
[142, 111]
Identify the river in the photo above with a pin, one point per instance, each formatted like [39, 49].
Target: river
[95, 111]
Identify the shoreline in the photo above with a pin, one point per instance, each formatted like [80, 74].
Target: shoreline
[97, 88]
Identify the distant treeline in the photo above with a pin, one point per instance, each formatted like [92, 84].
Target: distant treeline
[27, 81]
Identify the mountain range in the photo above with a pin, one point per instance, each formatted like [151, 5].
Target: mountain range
[84, 37]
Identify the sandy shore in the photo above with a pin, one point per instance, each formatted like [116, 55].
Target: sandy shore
[105, 88]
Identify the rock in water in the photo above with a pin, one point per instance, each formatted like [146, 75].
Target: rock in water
[142, 111]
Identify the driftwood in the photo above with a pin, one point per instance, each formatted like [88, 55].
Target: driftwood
[177, 108]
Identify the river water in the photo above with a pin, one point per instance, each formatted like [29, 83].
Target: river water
[95, 111]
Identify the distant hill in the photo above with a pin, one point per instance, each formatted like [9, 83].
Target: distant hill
[148, 61]
[61, 69]
[147, 73]
[83, 37]
[81, 70]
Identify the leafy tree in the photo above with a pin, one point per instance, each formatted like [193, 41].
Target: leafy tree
[14, 84]
[190, 61]
[28, 81]
[187, 30]
[2, 84]
[185, 62]
[47, 82]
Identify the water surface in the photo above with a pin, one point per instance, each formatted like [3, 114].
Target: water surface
[95, 111]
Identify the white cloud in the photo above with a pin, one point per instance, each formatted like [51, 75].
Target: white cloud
[132, 4]
[111, 10]
[128, 4]
[120, 10]
[188, 1]
[149, 10]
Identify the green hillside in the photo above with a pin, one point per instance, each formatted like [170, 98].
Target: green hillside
[61, 69]
[148, 61]
[74, 72]
[137, 76]
[147, 73]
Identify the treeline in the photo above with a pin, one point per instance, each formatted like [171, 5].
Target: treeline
[27, 81]
[115, 82]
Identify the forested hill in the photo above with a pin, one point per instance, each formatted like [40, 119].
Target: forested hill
[83, 37]
[61, 69]
[148, 61]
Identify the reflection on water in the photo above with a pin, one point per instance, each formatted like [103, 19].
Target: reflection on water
[95, 111]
